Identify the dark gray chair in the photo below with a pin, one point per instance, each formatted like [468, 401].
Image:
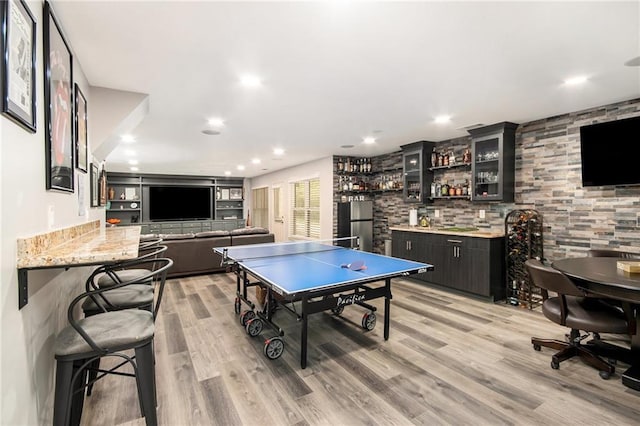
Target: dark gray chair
[572, 309]
[105, 334]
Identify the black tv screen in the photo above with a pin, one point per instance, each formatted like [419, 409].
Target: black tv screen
[179, 203]
[610, 153]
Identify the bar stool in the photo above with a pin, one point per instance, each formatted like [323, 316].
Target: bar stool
[134, 295]
[105, 334]
[125, 271]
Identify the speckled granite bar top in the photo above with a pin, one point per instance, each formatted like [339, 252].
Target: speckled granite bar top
[88, 243]
[478, 234]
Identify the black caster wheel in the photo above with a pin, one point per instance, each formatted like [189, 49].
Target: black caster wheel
[236, 306]
[369, 321]
[536, 347]
[273, 347]
[605, 375]
[338, 310]
[254, 327]
[246, 316]
[555, 365]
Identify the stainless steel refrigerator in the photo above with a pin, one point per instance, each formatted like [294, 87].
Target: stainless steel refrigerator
[355, 219]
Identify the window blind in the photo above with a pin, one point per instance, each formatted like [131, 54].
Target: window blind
[260, 207]
[305, 208]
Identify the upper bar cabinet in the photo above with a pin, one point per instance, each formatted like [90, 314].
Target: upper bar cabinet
[493, 165]
[416, 174]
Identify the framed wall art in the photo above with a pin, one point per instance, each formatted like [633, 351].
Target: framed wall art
[235, 194]
[95, 189]
[81, 130]
[18, 63]
[58, 97]
[102, 188]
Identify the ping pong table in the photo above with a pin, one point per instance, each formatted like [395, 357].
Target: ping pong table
[316, 276]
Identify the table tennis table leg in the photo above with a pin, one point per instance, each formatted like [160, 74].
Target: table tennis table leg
[387, 308]
[303, 337]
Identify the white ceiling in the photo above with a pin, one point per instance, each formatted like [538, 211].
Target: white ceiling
[335, 72]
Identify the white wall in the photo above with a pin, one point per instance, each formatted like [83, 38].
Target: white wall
[322, 169]
[27, 338]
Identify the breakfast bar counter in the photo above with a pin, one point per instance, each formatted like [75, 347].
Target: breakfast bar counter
[81, 245]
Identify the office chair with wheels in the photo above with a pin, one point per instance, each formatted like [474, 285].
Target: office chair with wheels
[571, 308]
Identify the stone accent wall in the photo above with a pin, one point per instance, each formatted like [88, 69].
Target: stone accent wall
[548, 179]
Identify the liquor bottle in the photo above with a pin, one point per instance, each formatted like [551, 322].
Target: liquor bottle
[340, 165]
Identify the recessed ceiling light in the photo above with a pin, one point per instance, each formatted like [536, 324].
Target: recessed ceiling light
[133, 169]
[211, 132]
[346, 146]
[369, 141]
[256, 161]
[216, 122]
[227, 173]
[240, 167]
[575, 80]
[128, 138]
[441, 119]
[250, 81]
[133, 162]
[278, 151]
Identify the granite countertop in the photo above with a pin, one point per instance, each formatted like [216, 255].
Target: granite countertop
[98, 245]
[478, 234]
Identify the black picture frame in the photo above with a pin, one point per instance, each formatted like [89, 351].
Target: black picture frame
[102, 188]
[80, 130]
[95, 189]
[18, 46]
[58, 98]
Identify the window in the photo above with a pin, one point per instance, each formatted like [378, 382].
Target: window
[277, 208]
[260, 207]
[305, 208]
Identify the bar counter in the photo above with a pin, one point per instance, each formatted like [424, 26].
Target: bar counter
[80, 245]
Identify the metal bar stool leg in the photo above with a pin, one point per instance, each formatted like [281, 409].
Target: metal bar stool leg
[147, 383]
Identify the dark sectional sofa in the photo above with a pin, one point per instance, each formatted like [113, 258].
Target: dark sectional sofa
[192, 254]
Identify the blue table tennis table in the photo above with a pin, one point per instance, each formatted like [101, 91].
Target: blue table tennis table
[314, 275]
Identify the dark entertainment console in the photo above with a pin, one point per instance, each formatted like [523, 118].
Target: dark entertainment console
[148, 199]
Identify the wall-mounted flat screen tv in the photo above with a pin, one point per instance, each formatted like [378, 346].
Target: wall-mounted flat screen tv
[610, 153]
[179, 203]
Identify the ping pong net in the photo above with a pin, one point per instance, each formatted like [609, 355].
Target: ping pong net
[260, 251]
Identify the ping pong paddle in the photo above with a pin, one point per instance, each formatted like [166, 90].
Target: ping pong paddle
[357, 265]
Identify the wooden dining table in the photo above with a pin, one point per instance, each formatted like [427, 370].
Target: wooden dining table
[600, 276]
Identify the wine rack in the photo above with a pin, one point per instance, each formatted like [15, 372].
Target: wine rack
[523, 233]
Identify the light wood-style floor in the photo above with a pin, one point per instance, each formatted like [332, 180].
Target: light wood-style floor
[450, 359]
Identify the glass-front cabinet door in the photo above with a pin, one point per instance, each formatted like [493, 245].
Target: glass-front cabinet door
[487, 182]
[417, 176]
[412, 176]
[493, 166]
